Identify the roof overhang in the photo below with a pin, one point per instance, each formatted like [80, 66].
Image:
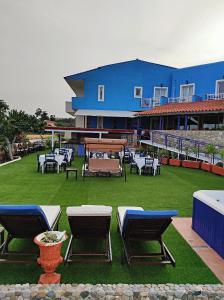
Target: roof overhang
[105, 113]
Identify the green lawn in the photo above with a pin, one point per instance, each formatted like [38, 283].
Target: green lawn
[173, 189]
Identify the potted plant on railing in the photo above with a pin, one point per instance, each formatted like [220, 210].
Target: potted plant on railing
[219, 167]
[191, 163]
[164, 156]
[207, 166]
[50, 243]
[174, 161]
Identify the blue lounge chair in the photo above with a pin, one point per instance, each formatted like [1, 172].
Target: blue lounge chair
[26, 221]
[137, 226]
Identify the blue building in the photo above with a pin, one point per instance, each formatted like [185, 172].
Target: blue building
[110, 96]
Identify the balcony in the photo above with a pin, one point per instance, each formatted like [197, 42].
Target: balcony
[219, 96]
[149, 102]
[180, 100]
[68, 108]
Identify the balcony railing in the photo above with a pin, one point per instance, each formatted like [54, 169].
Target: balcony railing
[146, 102]
[149, 102]
[219, 96]
[179, 99]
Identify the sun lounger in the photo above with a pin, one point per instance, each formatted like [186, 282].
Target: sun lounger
[90, 223]
[26, 221]
[137, 226]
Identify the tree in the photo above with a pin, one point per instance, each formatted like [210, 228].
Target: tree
[3, 109]
[11, 126]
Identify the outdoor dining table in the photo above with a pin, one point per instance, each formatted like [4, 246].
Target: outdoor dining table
[140, 162]
[57, 157]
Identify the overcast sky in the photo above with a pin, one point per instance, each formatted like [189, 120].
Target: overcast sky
[41, 41]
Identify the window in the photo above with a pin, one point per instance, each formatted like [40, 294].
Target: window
[159, 92]
[219, 89]
[187, 91]
[138, 92]
[100, 92]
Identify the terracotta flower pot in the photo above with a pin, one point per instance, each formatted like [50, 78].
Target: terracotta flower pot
[206, 166]
[174, 162]
[218, 170]
[164, 160]
[50, 258]
[190, 164]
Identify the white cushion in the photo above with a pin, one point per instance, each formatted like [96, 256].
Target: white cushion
[122, 210]
[51, 212]
[89, 210]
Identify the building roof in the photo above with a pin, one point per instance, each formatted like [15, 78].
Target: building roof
[192, 107]
[119, 63]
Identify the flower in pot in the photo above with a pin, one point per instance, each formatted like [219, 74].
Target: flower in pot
[50, 243]
[174, 161]
[191, 163]
[219, 167]
[164, 156]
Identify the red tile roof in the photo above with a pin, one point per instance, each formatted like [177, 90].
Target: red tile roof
[192, 107]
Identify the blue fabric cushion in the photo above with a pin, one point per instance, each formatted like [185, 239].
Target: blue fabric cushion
[146, 214]
[17, 210]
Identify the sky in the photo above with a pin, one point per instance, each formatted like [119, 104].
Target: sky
[41, 41]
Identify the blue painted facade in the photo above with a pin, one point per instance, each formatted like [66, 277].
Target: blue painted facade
[120, 79]
[203, 76]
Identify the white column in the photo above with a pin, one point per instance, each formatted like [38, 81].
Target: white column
[52, 140]
[100, 135]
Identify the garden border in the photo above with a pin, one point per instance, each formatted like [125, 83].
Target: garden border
[167, 291]
[10, 162]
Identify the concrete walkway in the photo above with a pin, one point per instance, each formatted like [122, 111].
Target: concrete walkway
[206, 253]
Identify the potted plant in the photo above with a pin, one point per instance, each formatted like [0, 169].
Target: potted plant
[50, 243]
[219, 167]
[164, 156]
[191, 163]
[174, 161]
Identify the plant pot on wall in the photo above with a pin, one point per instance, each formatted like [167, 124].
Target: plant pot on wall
[174, 162]
[191, 164]
[50, 255]
[206, 166]
[218, 170]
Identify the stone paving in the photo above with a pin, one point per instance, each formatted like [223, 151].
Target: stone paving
[112, 292]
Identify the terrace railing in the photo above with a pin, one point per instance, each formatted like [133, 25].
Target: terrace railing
[179, 100]
[219, 96]
[146, 102]
[180, 143]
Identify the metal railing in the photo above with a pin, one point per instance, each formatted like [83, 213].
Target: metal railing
[180, 144]
[149, 102]
[219, 96]
[146, 102]
[179, 99]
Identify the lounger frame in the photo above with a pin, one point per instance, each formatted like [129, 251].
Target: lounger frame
[89, 227]
[148, 229]
[22, 227]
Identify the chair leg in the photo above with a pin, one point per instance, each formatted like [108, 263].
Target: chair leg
[68, 253]
[110, 249]
[5, 247]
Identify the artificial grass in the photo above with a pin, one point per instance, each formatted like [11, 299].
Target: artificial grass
[173, 189]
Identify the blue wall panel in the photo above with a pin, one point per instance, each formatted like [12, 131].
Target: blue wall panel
[203, 76]
[119, 81]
